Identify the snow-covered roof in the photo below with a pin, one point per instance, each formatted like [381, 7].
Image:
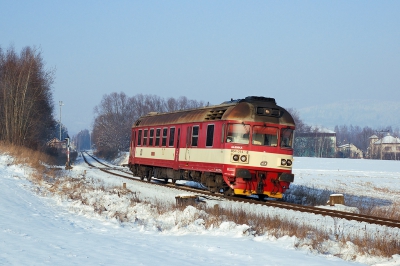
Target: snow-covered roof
[374, 137]
[348, 145]
[345, 146]
[321, 129]
[388, 140]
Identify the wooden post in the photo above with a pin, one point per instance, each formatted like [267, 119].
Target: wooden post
[124, 185]
[336, 199]
[184, 200]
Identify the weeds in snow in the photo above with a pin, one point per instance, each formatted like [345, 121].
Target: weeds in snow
[126, 206]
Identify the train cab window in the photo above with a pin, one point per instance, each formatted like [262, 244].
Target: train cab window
[265, 136]
[171, 137]
[139, 138]
[164, 137]
[145, 137]
[151, 137]
[195, 135]
[210, 135]
[238, 133]
[158, 133]
[287, 138]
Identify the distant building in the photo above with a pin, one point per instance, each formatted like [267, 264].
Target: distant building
[56, 143]
[316, 143]
[349, 151]
[386, 148]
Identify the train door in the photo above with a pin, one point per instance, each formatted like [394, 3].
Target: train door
[177, 145]
[133, 144]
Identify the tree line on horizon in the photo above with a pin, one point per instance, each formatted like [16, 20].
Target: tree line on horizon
[26, 113]
[318, 144]
[117, 112]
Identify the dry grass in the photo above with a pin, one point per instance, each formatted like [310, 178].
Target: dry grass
[25, 156]
[310, 196]
[313, 236]
[368, 206]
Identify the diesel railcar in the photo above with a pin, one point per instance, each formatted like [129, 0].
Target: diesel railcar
[240, 147]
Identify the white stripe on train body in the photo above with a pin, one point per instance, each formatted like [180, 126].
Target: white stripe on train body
[240, 147]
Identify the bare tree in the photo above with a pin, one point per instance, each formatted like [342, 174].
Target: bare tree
[116, 114]
[26, 99]
[300, 125]
[82, 140]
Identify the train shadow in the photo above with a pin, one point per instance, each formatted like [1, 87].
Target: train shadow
[312, 196]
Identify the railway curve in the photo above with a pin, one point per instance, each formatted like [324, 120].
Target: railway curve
[277, 204]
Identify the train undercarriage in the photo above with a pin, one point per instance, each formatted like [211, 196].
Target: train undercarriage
[215, 182]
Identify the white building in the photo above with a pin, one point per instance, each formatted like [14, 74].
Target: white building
[349, 151]
[386, 148]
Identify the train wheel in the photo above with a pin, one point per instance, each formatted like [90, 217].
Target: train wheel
[173, 181]
[149, 175]
[142, 177]
[228, 192]
[261, 196]
[166, 180]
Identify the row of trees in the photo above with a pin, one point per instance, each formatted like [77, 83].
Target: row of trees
[360, 136]
[116, 113]
[82, 140]
[315, 141]
[26, 103]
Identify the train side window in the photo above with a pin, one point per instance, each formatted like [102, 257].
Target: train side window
[287, 138]
[151, 137]
[139, 139]
[171, 137]
[145, 137]
[195, 135]
[210, 135]
[134, 139]
[158, 133]
[164, 137]
[223, 133]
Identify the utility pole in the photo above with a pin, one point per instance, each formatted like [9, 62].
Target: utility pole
[61, 104]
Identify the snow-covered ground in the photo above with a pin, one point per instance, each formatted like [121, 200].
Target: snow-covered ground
[42, 228]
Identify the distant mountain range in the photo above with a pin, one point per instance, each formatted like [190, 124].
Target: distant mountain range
[375, 114]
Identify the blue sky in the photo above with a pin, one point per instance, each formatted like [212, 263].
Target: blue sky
[302, 53]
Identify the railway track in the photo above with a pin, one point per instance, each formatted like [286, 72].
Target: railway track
[276, 204]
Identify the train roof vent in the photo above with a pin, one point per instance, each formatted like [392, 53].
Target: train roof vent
[138, 122]
[215, 114]
[259, 99]
[153, 113]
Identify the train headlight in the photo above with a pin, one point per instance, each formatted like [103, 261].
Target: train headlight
[235, 157]
[283, 162]
[243, 158]
[289, 162]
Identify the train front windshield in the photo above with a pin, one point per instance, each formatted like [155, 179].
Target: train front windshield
[238, 133]
[260, 135]
[265, 136]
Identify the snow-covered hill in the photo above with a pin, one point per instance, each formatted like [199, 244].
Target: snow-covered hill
[42, 228]
[354, 112]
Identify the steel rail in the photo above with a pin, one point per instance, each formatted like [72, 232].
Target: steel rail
[276, 204]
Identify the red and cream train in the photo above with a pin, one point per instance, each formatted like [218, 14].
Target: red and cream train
[240, 147]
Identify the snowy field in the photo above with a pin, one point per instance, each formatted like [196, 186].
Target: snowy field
[42, 228]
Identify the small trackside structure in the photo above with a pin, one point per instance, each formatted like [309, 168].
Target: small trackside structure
[240, 147]
[185, 200]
